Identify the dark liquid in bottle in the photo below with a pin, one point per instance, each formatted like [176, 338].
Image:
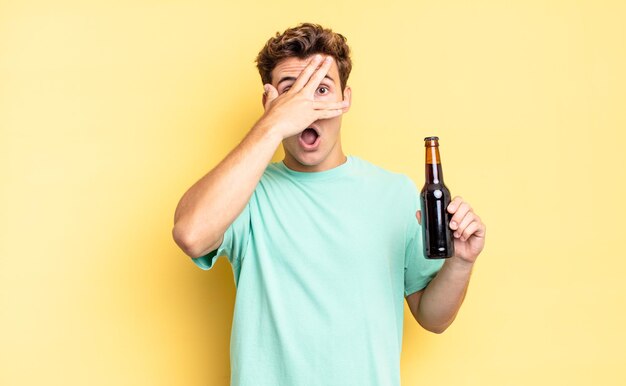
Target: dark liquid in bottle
[435, 197]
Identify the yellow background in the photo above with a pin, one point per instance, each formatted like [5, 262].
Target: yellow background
[110, 110]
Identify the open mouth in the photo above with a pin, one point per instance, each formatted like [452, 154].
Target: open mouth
[310, 138]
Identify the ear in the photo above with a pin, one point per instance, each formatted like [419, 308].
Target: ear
[347, 96]
[265, 95]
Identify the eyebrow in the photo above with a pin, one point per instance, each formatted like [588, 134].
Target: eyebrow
[286, 78]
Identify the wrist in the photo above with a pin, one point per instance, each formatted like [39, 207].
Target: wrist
[268, 132]
[458, 264]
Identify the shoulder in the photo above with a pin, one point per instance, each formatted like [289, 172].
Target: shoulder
[274, 172]
[272, 169]
[381, 175]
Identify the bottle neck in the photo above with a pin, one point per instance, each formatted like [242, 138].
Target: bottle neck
[434, 172]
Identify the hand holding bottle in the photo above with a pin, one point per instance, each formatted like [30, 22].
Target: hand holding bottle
[469, 230]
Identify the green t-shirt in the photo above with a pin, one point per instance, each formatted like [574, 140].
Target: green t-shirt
[322, 262]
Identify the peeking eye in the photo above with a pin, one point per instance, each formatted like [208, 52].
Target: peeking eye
[323, 90]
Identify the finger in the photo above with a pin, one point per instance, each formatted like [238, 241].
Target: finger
[270, 94]
[318, 76]
[418, 214]
[304, 76]
[327, 114]
[471, 229]
[460, 212]
[454, 204]
[481, 229]
[469, 217]
[325, 105]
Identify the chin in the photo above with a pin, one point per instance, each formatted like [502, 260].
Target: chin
[307, 158]
[310, 159]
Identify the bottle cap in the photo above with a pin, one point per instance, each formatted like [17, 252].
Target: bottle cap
[431, 141]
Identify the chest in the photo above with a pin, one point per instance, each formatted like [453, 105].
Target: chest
[344, 226]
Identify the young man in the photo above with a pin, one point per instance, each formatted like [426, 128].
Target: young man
[324, 247]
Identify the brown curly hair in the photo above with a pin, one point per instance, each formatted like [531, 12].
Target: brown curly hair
[302, 41]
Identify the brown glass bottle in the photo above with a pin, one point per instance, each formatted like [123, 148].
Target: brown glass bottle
[435, 197]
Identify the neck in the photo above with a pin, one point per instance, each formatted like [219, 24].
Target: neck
[434, 174]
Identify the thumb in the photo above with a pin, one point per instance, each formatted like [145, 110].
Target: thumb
[418, 214]
[270, 94]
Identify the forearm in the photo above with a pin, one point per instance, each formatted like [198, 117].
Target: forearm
[444, 295]
[207, 209]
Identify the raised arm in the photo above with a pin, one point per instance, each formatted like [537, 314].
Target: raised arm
[208, 208]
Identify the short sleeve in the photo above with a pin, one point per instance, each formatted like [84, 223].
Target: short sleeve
[233, 245]
[418, 270]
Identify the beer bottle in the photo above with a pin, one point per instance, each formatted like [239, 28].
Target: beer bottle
[435, 197]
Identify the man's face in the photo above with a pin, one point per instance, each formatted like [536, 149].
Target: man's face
[328, 153]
